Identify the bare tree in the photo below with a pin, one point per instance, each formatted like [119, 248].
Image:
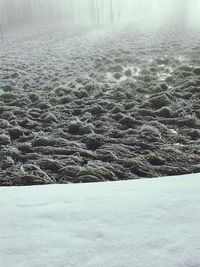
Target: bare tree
[111, 11]
[97, 12]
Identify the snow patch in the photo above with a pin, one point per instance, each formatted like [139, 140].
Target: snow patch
[128, 72]
[150, 222]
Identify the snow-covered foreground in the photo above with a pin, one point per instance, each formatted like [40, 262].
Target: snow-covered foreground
[140, 223]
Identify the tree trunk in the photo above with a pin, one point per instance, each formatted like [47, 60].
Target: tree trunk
[111, 11]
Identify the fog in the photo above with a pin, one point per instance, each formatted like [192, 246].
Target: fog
[20, 13]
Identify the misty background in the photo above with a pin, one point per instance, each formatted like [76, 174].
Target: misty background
[20, 13]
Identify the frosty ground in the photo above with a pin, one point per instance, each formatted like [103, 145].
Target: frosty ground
[85, 105]
[140, 223]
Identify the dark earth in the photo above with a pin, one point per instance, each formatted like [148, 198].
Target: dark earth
[78, 105]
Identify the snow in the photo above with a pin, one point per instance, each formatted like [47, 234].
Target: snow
[140, 223]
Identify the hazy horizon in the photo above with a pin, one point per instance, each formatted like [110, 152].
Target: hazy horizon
[19, 13]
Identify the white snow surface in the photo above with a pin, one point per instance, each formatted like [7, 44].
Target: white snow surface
[139, 223]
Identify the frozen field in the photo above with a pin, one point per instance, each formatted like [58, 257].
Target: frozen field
[85, 106]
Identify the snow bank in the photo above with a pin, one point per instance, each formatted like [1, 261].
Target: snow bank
[136, 223]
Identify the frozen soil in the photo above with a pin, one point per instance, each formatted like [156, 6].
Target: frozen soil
[78, 105]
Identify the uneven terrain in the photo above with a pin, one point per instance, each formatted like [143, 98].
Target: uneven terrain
[78, 105]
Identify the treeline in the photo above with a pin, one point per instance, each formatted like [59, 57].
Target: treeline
[15, 13]
[18, 13]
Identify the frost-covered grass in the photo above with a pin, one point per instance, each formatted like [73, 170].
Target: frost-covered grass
[140, 223]
[85, 105]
